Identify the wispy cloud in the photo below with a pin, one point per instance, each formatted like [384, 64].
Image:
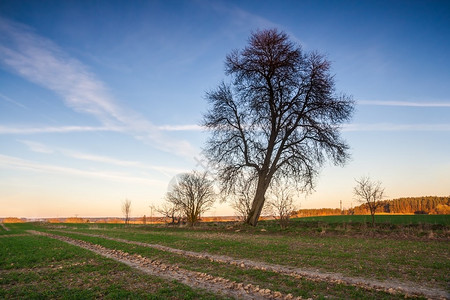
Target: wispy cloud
[250, 20]
[404, 103]
[17, 103]
[41, 148]
[54, 129]
[18, 163]
[122, 163]
[243, 21]
[193, 127]
[187, 127]
[41, 61]
[396, 127]
[37, 147]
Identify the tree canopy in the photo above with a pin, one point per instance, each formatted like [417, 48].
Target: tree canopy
[193, 194]
[279, 117]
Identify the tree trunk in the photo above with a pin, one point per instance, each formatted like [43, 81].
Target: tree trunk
[258, 203]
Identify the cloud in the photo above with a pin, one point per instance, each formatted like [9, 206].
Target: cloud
[40, 61]
[53, 129]
[404, 103]
[37, 147]
[188, 127]
[243, 21]
[250, 20]
[41, 148]
[18, 163]
[396, 127]
[118, 162]
[6, 98]
[193, 127]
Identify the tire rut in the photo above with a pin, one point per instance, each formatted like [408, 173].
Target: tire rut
[193, 279]
[13, 235]
[392, 287]
[4, 227]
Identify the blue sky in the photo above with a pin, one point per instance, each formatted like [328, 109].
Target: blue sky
[101, 100]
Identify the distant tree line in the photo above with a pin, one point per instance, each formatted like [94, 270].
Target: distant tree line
[411, 205]
[406, 205]
[12, 220]
[317, 212]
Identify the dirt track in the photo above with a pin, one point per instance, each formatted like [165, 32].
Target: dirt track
[4, 226]
[13, 235]
[407, 288]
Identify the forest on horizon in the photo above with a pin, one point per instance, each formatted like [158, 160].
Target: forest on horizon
[405, 205]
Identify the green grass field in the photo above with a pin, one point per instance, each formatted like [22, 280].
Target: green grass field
[25, 260]
[285, 284]
[382, 219]
[37, 267]
[418, 261]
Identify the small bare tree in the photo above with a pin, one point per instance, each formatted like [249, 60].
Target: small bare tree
[281, 203]
[126, 210]
[243, 197]
[170, 211]
[193, 194]
[369, 192]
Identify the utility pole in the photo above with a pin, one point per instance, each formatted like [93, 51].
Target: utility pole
[340, 204]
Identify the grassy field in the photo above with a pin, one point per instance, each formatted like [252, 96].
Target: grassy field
[418, 261]
[36, 267]
[285, 284]
[382, 219]
[421, 261]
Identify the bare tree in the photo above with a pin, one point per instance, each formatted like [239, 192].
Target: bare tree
[126, 210]
[170, 211]
[279, 118]
[193, 194]
[242, 198]
[281, 203]
[369, 192]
